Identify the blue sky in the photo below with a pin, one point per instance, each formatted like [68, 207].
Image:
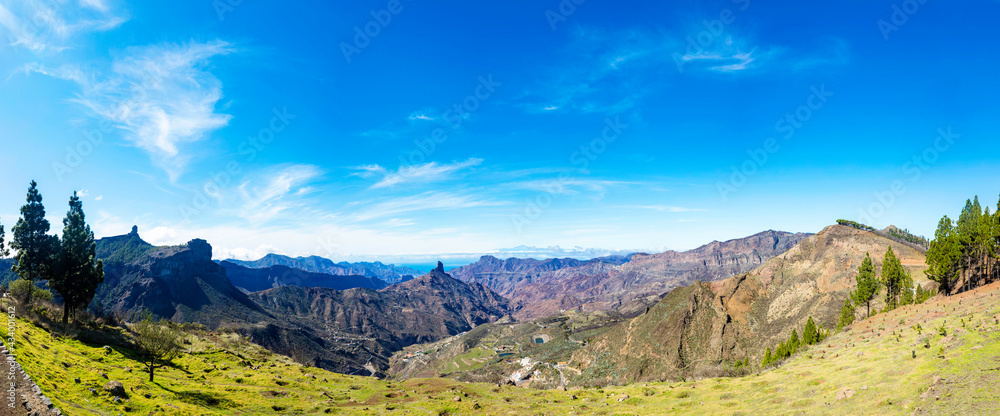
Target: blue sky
[464, 127]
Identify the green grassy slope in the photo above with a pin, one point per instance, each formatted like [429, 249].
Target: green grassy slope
[867, 369]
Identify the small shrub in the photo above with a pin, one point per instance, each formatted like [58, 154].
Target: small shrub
[21, 288]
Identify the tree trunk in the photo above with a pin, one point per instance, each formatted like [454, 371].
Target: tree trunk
[65, 314]
[151, 372]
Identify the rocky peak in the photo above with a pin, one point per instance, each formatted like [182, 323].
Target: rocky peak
[135, 231]
[200, 249]
[440, 268]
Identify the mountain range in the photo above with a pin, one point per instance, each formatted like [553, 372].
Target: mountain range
[257, 279]
[548, 287]
[389, 273]
[693, 331]
[350, 331]
[730, 300]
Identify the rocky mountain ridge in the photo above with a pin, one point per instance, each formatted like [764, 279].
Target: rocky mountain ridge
[253, 280]
[340, 330]
[550, 286]
[389, 273]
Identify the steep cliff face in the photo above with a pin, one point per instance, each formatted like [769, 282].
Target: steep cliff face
[178, 283]
[547, 287]
[695, 330]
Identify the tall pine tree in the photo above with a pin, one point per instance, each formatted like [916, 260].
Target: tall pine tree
[36, 250]
[79, 272]
[944, 256]
[893, 278]
[4, 252]
[868, 284]
[969, 239]
[846, 314]
[809, 334]
[987, 247]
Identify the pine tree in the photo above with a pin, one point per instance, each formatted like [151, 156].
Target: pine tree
[846, 314]
[809, 335]
[36, 250]
[987, 247]
[79, 273]
[906, 296]
[868, 284]
[4, 252]
[793, 342]
[969, 239]
[893, 277]
[767, 358]
[944, 256]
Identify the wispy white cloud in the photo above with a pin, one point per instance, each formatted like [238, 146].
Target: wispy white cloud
[734, 53]
[423, 173]
[162, 96]
[608, 72]
[662, 208]
[51, 27]
[271, 194]
[420, 116]
[98, 5]
[738, 53]
[566, 186]
[397, 222]
[422, 202]
[67, 72]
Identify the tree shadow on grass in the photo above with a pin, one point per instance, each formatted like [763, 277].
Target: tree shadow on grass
[198, 398]
[134, 355]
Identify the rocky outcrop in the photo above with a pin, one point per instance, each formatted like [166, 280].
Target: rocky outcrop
[180, 283]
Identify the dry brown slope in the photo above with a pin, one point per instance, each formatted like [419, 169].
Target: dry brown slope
[696, 330]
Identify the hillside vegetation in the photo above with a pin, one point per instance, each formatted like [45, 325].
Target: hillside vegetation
[868, 368]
